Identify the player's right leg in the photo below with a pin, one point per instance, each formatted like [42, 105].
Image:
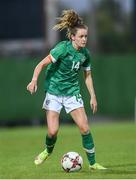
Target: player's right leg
[53, 126]
[41, 157]
[53, 105]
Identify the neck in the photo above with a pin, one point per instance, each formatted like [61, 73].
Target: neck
[75, 46]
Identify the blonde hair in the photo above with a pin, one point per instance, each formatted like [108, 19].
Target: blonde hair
[70, 21]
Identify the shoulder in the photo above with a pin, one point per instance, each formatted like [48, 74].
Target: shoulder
[59, 50]
[61, 45]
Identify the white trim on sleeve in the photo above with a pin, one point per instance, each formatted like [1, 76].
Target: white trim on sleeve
[53, 59]
[86, 68]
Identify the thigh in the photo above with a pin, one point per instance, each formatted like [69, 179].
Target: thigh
[52, 122]
[80, 118]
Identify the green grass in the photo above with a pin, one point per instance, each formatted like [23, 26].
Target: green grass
[115, 149]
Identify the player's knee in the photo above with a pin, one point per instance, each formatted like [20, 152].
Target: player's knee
[52, 133]
[84, 129]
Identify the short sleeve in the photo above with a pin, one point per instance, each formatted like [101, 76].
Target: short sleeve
[87, 64]
[58, 51]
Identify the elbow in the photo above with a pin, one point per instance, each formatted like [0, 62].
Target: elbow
[86, 80]
[39, 67]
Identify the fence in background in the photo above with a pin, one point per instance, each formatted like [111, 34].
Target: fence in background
[114, 82]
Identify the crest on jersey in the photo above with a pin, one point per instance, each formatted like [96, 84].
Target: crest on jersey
[47, 102]
[83, 58]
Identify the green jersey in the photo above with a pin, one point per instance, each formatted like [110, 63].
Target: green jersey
[62, 76]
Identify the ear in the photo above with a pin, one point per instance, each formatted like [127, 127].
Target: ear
[72, 37]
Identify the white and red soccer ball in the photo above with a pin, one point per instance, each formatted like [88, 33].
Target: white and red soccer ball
[71, 162]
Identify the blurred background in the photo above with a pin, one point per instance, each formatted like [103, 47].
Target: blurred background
[26, 36]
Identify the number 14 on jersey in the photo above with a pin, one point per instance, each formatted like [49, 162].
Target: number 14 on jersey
[75, 65]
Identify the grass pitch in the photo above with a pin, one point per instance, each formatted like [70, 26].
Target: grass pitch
[115, 148]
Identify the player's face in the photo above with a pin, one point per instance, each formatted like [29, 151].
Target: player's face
[79, 40]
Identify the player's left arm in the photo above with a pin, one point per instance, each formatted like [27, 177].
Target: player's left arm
[90, 87]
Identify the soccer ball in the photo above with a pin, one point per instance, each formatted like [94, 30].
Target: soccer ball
[71, 162]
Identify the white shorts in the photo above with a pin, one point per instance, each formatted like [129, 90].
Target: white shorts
[56, 103]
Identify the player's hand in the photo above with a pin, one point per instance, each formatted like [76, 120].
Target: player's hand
[32, 87]
[93, 103]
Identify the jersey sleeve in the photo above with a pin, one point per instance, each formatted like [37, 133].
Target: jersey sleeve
[58, 51]
[87, 64]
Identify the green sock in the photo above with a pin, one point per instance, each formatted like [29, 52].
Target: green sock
[88, 145]
[50, 143]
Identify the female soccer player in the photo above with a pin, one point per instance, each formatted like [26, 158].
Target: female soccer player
[62, 86]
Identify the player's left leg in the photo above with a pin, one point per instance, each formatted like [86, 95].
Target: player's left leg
[80, 118]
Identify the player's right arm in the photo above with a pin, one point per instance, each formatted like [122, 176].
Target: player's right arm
[55, 54]
[32, 86]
